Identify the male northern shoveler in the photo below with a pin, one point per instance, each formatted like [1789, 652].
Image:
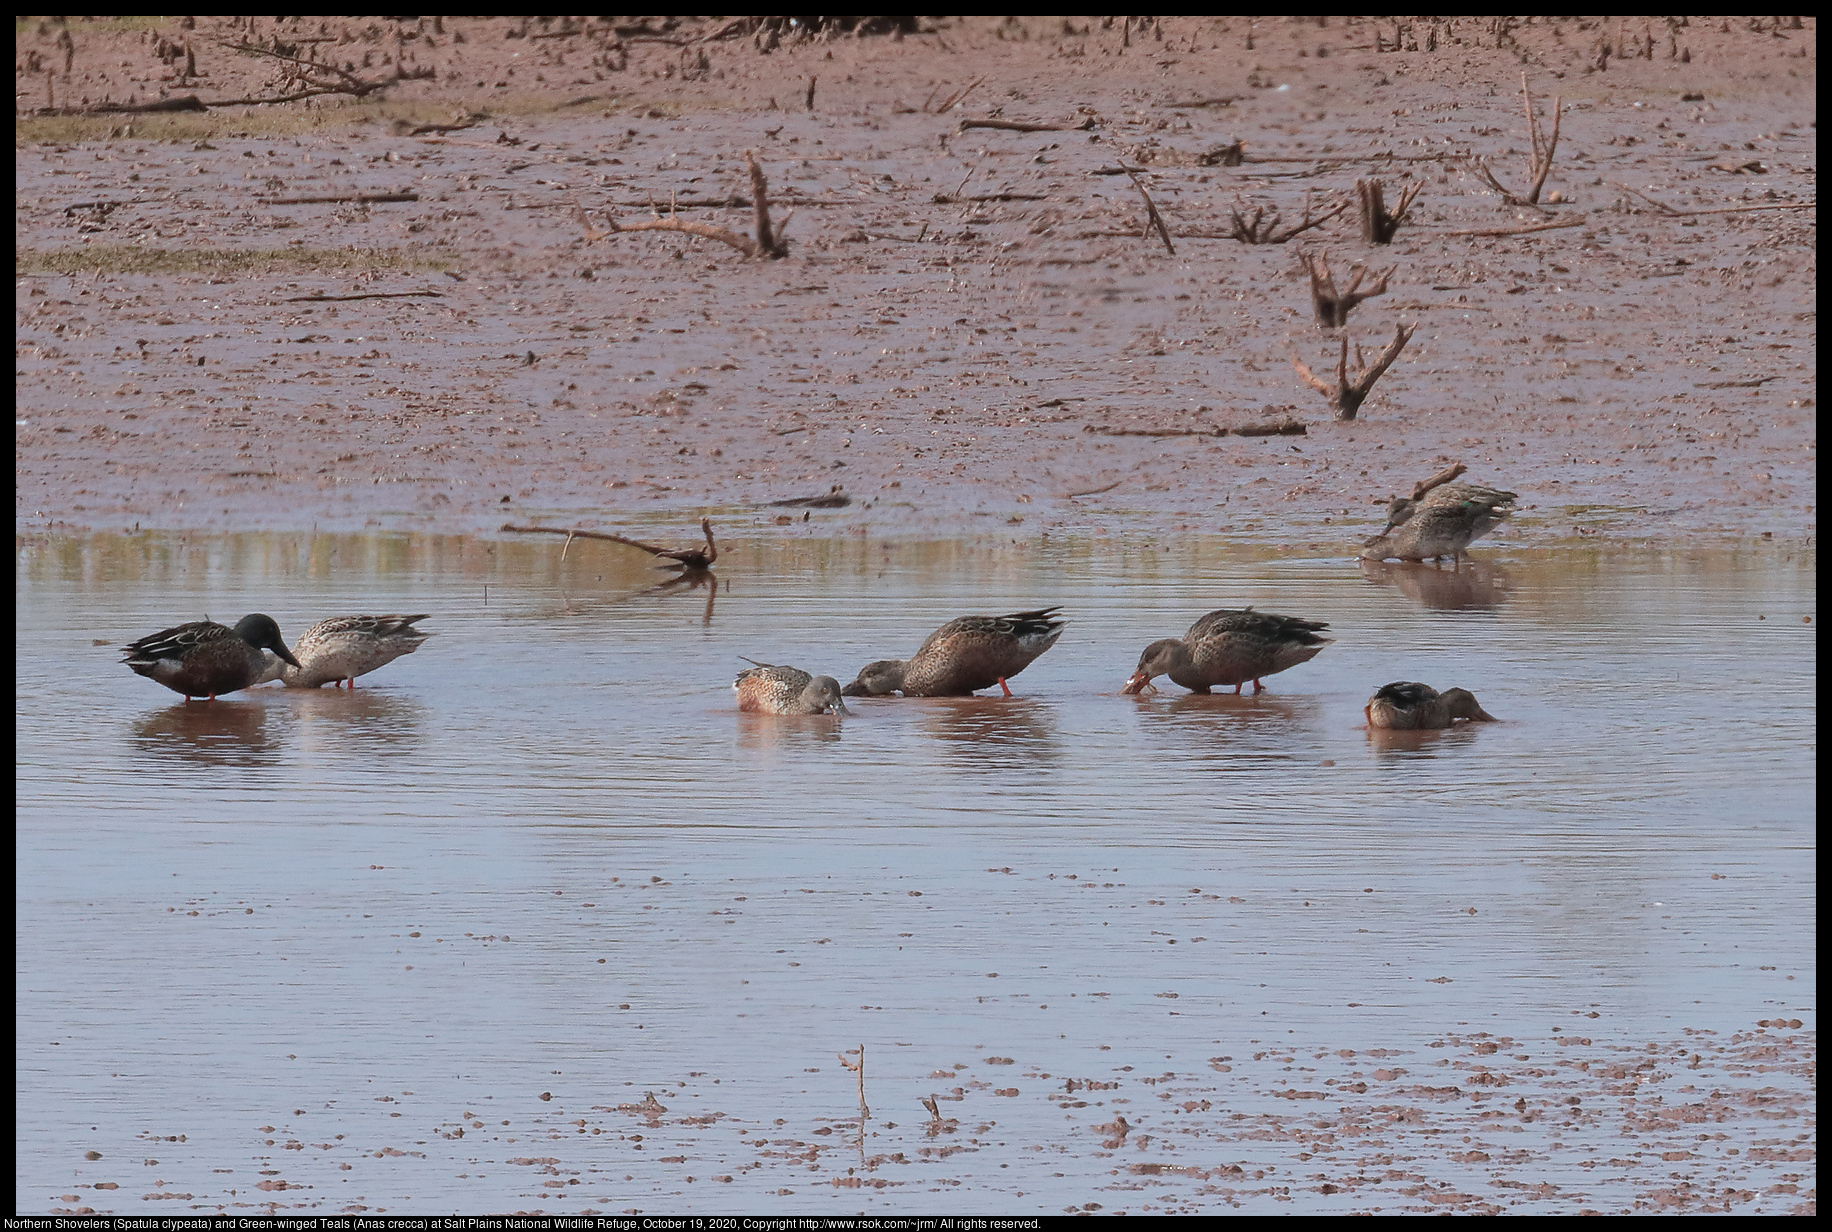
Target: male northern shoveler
[1441, 523]
[345, 647]
[1406, 705]
[1230, 647]
[203, 658]
[770, 689]
[972, 652]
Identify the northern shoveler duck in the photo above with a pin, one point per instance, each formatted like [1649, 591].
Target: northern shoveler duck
[1441, 523]
[1230, 647]
[345, 647]
[203, 658]
[770, 689]
[1406, 705]
[972, 652]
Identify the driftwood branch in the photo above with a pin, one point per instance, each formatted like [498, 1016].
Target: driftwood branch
[1151, 209]
[1346, 395]
[1288, 427]
[1022, 126]
[347, 199]
[1333, 305]
[1378, 223]
[687, 558]
[325, 299]
[1262, 227]
[1544, 148]
[768, 243]
[1669, 212]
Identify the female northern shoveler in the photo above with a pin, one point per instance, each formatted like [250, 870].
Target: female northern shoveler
[203, 658]
[345, 647]
[973, 652]
[1406, 705]
[1442, 523]
[769, 689]
[1230, 647]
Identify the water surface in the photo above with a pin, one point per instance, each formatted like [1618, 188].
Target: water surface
[534, 920]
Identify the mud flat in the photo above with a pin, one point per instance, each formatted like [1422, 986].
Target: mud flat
[974, 328]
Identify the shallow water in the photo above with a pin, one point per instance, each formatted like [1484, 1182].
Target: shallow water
[276, 952]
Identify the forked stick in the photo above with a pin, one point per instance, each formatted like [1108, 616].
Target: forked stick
[1347, 395]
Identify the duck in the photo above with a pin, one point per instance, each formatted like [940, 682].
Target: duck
[1441, 523]
[772, 689]
[204, 659]
[1230, 646]
[1407, 705]
[343, 648]
[966, 654]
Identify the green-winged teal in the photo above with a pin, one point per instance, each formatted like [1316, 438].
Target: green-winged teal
[770, 689]
[1230, 647]
[203, 658]
[1406, 705]
[343, 648]
[969, 653]
[1441, 523]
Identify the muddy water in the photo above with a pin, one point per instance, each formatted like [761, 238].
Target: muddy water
[535, 921]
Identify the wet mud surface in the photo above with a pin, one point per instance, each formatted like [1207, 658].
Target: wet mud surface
[969, 325]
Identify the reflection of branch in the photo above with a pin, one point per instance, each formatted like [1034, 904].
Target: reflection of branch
[686, 558]
[1347, 395]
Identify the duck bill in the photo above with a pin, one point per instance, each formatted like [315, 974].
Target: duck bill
[839, 708]
[855, 689]
[280, 649]
[1138, 682]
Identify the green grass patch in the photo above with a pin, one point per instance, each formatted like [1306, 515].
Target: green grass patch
[129, 259]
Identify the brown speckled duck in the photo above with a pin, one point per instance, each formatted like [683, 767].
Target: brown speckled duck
[1406, 705]
[203, 658]
[769, 689]
[1230, 647]
[969, 653]
[1441, 523]
[345, 647]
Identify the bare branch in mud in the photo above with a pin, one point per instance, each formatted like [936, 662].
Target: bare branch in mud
[1151, 209]
[1544, 147]
[1438, 480]
[346, 199]
[686, 558]
[1288, 427]
[769, 242]
[1347, 394]
[1378, 223]
[1669, 212]
[954, 99]
[1262, 227]
[325, 299]
[1333, 305]
[1021, 126]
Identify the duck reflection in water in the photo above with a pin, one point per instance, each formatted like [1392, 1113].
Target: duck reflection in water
[767, 733]
[1469, 587]
[993, 733]
[1222, 724]
[228, 734]
[367, 722]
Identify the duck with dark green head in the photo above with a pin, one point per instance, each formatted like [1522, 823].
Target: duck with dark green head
[203, 658]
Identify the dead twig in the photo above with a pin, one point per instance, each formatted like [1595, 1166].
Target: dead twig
[1288, 427]
[347, 82]
[1378, 223]
[1669, 212]
[317, 299]
[859, 1069]
[834, 498]
[347, 199]
[1538, 226]
[1157, 220]
[1347, 395]
[1223, 101]
[1333, 305]
[1022, 126]
[768, 243]
[954, 99]
[1544, 147]
[686, 558]
[1263, 226]
[1438, 480]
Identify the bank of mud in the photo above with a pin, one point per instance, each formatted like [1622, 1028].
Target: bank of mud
[971, 333]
